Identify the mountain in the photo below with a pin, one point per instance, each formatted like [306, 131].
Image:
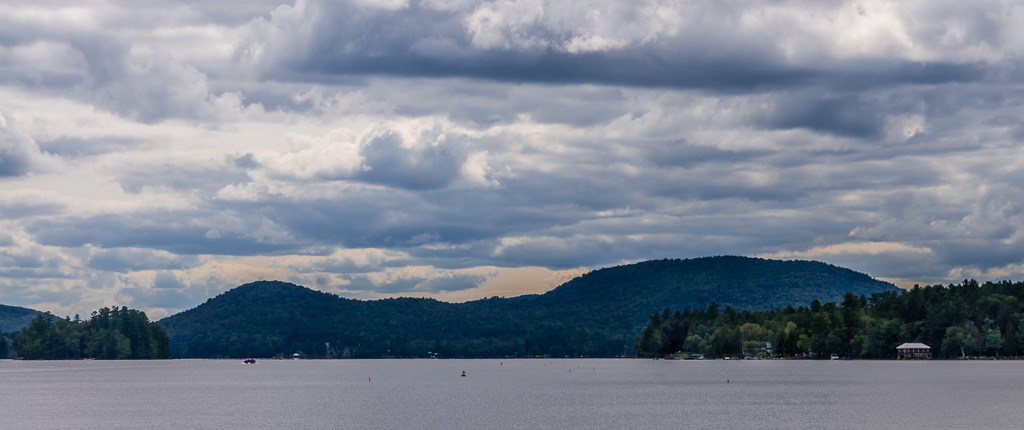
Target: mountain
[739, 282]
[597, 314]
[14, 318]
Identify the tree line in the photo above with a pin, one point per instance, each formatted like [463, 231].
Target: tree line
[110, 334]
[956, 321]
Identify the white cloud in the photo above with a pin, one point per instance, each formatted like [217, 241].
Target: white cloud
[383, 4]
[448, 148]
[334, 156]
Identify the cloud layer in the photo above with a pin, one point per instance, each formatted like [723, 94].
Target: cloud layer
[154, 154]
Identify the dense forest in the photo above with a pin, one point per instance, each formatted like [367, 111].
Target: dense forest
[5, 346]
[598, 314]
[957, 321]
[110, 333]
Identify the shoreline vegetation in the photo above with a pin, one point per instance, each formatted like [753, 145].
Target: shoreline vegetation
[957, 321]
[109, 334]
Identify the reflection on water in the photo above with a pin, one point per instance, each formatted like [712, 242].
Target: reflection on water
[389, 394]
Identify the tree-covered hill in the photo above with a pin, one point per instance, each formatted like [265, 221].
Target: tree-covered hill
[737, 282]
[269, 318]
[14, 318]
[597, 314]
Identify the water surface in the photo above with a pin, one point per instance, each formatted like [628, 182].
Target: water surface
[585, 393]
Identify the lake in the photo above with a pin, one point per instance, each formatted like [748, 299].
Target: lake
[519, 393]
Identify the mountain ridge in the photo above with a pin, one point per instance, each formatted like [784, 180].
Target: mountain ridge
[595, 314]
[15, 318]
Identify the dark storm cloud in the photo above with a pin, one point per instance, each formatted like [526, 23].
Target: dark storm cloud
[982, 234]
[349, 267]
[844, 116]
[423, 168]
[22, 261]
[396, 219]
[124, 260]
[984, 254]
[209, 177]
[665, 154]
[466, 226]
[34, 262]
[167, 280]
[77, 147]
[444, 283]
[245, 161]
[482, 104]
[363, 283]
[340, 39]
[639, 67]
[619, 68]
[172, 231]
[28, 293]
[16, 153]
[28, 207]
[88, 55]
[451, 282]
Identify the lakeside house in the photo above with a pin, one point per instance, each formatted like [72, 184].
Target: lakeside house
[913, 351]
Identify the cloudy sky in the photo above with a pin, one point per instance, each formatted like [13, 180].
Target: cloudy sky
[156, 153]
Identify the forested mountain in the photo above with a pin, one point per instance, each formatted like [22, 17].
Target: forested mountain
[14, 318]
[737, 282]
[597, 314]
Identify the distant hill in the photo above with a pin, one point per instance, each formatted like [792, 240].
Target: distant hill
[14, 318]
[739, 282]
[597, 314]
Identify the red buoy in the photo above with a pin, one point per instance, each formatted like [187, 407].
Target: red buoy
[463, 373]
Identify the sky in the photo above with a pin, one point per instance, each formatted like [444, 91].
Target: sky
[154, 154]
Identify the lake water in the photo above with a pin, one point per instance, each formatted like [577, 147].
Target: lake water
[563, 393]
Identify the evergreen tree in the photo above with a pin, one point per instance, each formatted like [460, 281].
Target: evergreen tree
[111, 333]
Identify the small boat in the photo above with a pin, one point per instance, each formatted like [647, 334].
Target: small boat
[834, 357]
[250, 361]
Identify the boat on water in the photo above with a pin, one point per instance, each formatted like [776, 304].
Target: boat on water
[250, 361]
[834, 357]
